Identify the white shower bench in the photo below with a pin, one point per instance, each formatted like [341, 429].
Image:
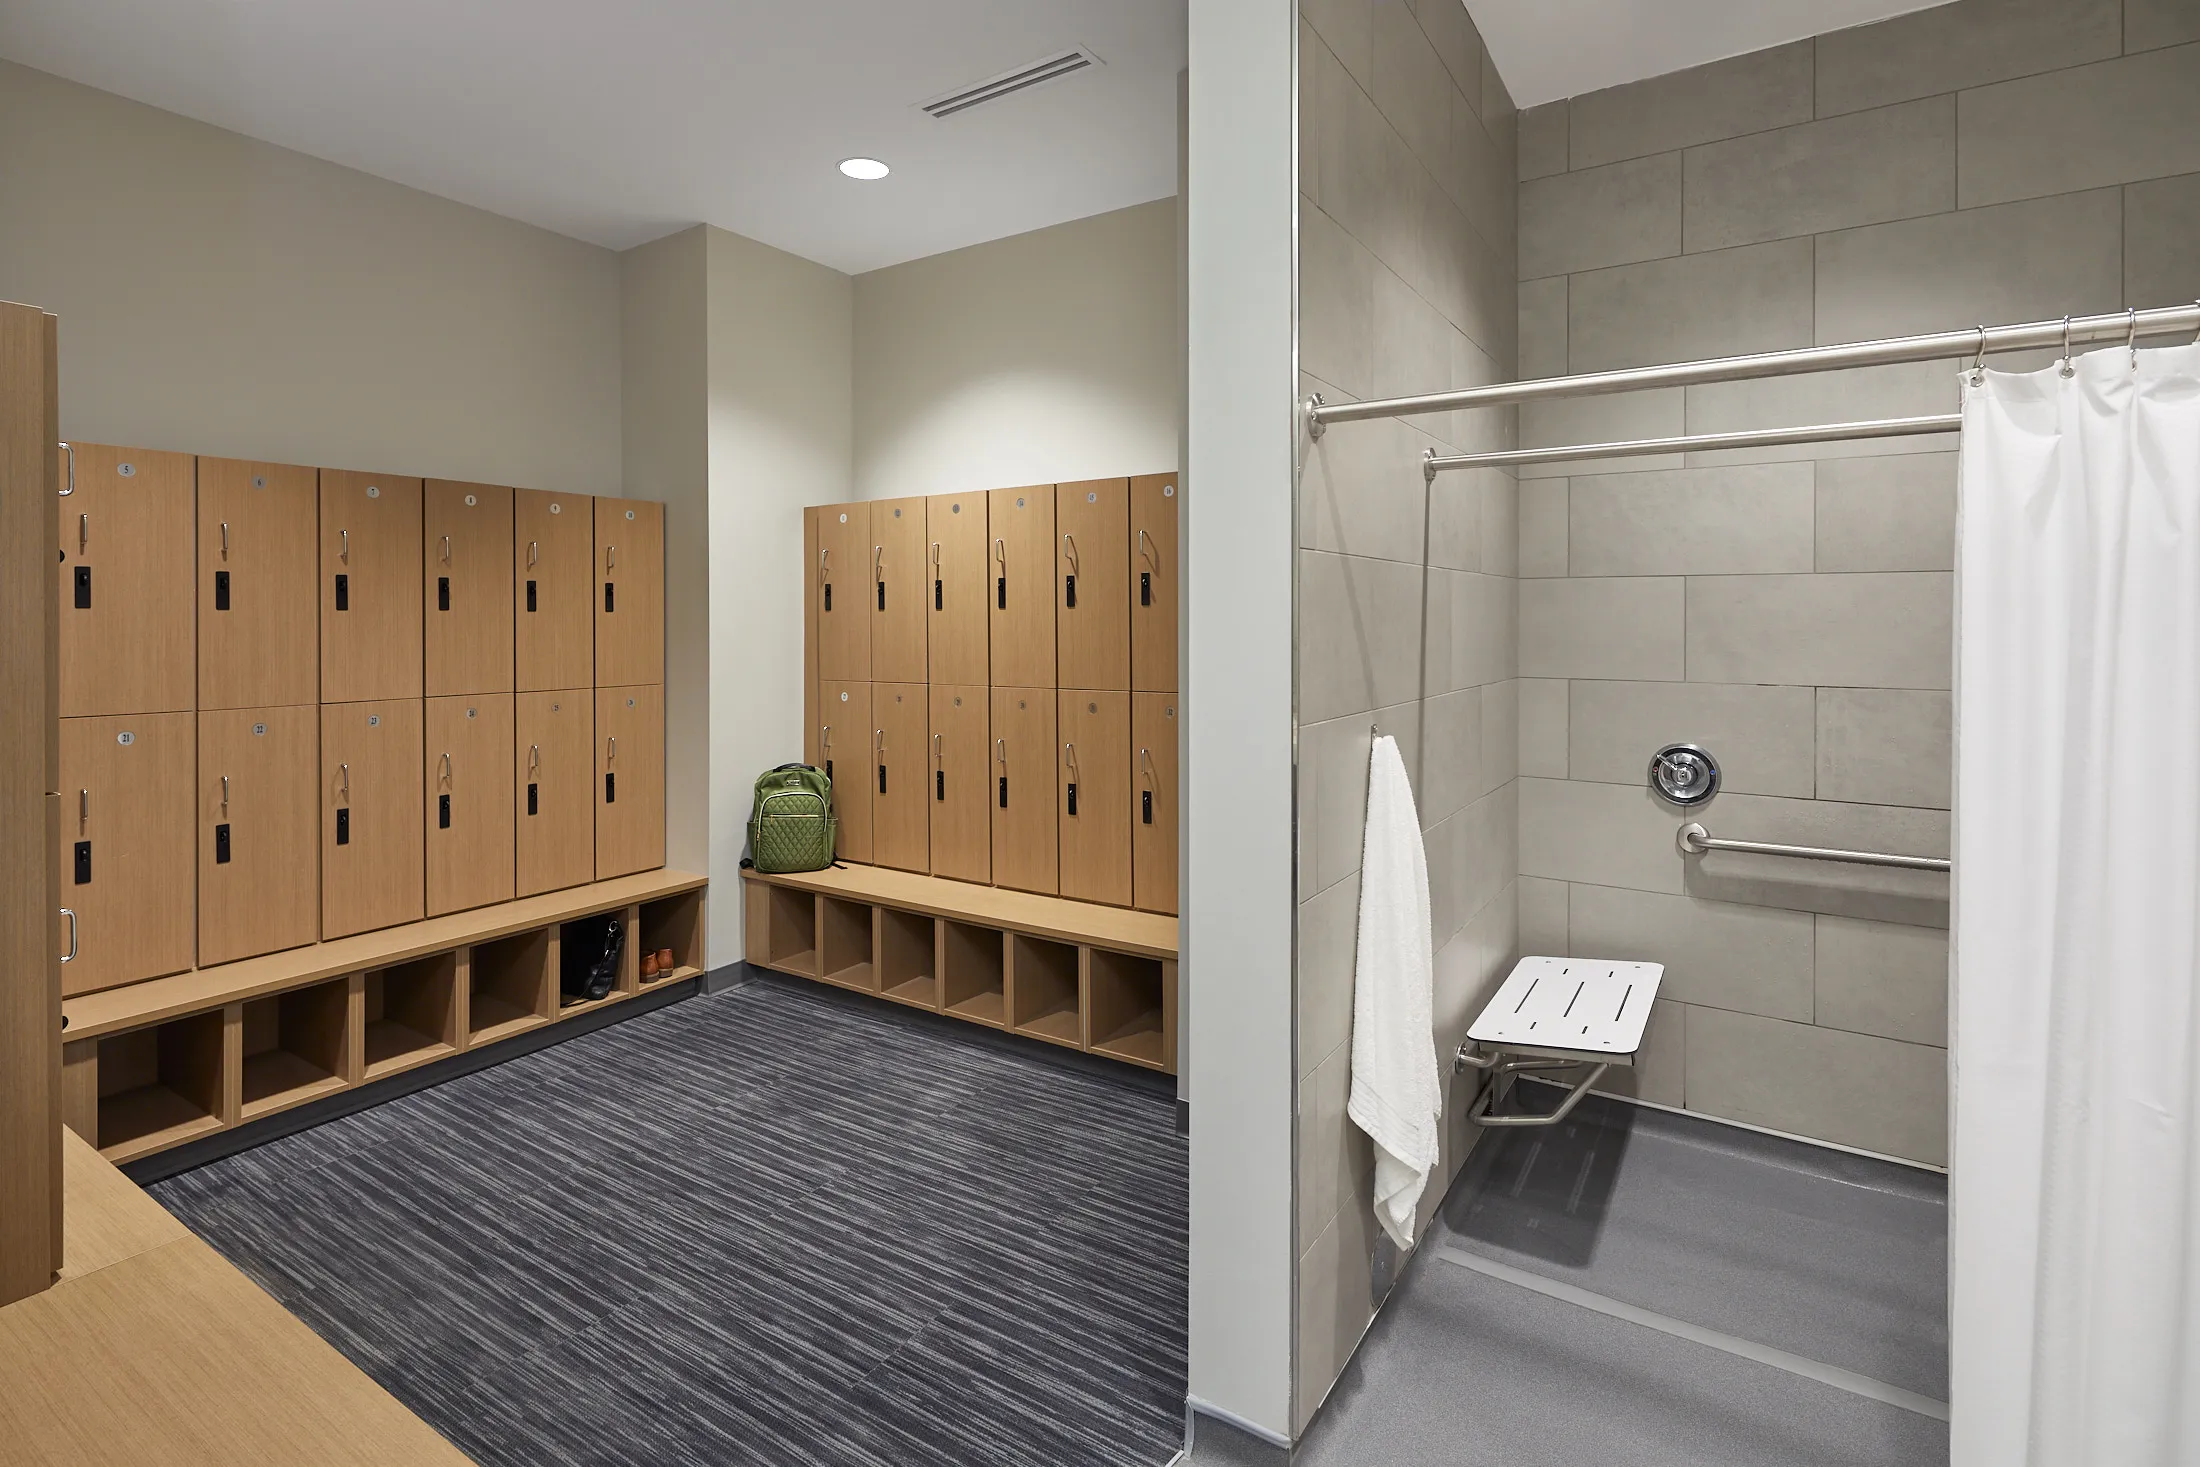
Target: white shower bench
[1555, 1014]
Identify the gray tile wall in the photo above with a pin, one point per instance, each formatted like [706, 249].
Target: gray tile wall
[1984, 161]
[1407, 613]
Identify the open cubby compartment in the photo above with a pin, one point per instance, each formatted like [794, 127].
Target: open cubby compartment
[1044, 990]
[412, 1014]
[160, 1085]
[294, 1046]
[908, 970]
[580, 941]
[844, 944]
[1128, 1002]
[510, 987]
[791, 930]
[674, 922]
[973, 980]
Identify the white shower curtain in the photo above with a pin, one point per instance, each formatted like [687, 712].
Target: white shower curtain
[2074, 1241]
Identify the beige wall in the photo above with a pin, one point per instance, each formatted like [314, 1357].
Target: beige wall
[1986, 161]
[1406, 591]
[1048, 357]
[220, 295]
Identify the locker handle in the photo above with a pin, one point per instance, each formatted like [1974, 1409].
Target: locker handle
[1145, 763]
[878, 562]
[610, 558]
[444, 777]
[346, 770]
[1000, 750]
[83, 809]
[1146, 548]
[225, 539]
[69, 487]
[1069, 549]
[344, 553]
[83, 531]
[534, 758]
[225, 797]
[610, 750]
[534, 548]
[70, 955]
[935, 748]
[446, 550]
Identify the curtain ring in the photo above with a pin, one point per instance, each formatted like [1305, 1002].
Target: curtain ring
[2069, 368]
[2131, 338]
[1978, 368]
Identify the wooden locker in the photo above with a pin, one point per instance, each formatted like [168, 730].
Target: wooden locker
[1154, 728]
[125, 847]
[630, 779]
[1020, 568]
[370, 587]
[259, 831]
[960, 630]
[258, 568]
[467, 815]
[553, 738]
[466, 588]
[630, 600]
[1153, 590]
[901, 596]
[844, 592]
[844, 730]
[961, 818]
[902, 758]
[372, 872]
[1092, 585]
[553, 591]
[125, 590]
[809, 640]
[1025, 855]
[1094, 795]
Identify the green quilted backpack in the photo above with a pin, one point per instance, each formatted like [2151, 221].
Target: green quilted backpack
[792, 827]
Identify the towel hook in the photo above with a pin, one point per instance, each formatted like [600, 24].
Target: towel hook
[1978, 367]
[2069, 368]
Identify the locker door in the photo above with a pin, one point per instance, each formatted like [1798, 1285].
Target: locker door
[630, 598]
[467, 816]
[1091, 583]
[125, 587]
[845, 593]
[1023, 793]
[901, 754]
[553, 735]
[258, 643]
[843, 751]
[553, 591]
[1153, 582]
[1021, 568]
[962, 759]
[959, 589]
[259, 852]
[1153, 801]
[125, 846]
[466, 588]
[630, 779]
[371, 858]
[370, 587]
[902, 593]
[1093, 773]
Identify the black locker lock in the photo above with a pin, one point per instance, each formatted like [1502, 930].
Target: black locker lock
[1145, 588]
[442, 812]
[939, 786]
[939, 596]
[1146, 800]
[607, 585]
[828, 771]
[1004, 792]
[530, 595]
[83, 863]
[882, 779]
[1073, 797]
[1069, 590]
[343, 592]
[343, 827]
[221, 845]
[611, 789]
[221, 590]
[83, 588]
[1000, 591]
[534, 802]
[828, 595]
[882, 595]
[442, 593]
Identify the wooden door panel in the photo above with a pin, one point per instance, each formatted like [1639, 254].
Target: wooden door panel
[370, 587]
[372, 871]
[841, 582]
[901, 755]
[1021, 525]
[126, 597]
[843, 752]
[259, 866]
[1025, 853]
[961, 822]
[1153, 590]
[630, 780]
[466, 588]
[958, 590]
[553, 591]
[630, 592]
[1094, 795]
[901, 596]
[1091, 583]
[553, 743]
[258, 557]
[126, 846]
[1154, 727]
[467, 815]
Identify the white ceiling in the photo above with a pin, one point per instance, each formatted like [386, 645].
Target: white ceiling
[620, 122]
[1548, 49]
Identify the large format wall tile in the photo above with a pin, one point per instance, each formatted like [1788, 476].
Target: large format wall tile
[1752, 519]
[1884, 746]
[1411, 85]
[1543, 328]
[2151, 24]
[1601, 834]
[1753, 959]
[1359, 639]
[1724, 99]
[1336, 1297]
[1483, 627]
[1328, 932]
[1883, 978]
[1594, 217]
[1451, 769]
[1607, 627]
[1500, 736]
[1761, 735]
[1453, 35]
[1542, 905]
[2161, 223]
[1362, 492]
[1750, 299]
[1893, 630]
[1624, 416]
[2113, 122]
[1336, 304]
[1949, 47]
[1659, 1074]
[1543, 140]
[1543, 527]
[1857, 1090]
[1866, 168]
[1887, 514]
[1348, 28]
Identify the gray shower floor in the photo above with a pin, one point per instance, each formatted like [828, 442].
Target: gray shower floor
[1641, 1287]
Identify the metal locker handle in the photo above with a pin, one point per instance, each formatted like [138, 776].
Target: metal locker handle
[824, 556]
[225, 797]
[346, 768]
[611, 750]
[1069, 548]
[1000, 750]
[1000, 553]
[1145, 762]
[534, 758]
[225, 539]
[534, 548]
[445, 776]
[936, 749]
[935, 558]
[878, 563]
[69, 487]
[70, 955]
[1144, 550]
[83, 808]
[610, 557]
[878, 742]
[344, 553]
[446, 550]
[83, 531]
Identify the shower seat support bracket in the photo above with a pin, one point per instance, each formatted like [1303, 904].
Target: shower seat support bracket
[1499, 1068]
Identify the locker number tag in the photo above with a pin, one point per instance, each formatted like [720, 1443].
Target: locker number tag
[374, 491]
[126, 738]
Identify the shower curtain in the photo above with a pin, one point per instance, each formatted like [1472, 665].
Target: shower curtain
[2074, 1230]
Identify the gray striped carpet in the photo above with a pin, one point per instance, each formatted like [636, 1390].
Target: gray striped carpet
[774, 1226]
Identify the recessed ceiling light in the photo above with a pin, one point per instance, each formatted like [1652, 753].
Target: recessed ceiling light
[864, 168]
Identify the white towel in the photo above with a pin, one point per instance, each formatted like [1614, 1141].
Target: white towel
[1396, 1096]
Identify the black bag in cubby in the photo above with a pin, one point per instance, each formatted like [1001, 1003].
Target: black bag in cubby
[589, 962]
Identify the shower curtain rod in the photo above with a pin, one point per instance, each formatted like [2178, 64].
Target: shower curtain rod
[1436, 463]
[1976, 342]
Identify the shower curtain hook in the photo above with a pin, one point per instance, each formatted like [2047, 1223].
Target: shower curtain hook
[2069, 368]
[1978, 368]
[2131, 337]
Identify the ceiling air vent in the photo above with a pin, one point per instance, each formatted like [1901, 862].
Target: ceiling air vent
[993, 88]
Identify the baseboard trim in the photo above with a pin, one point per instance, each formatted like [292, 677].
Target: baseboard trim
[1226, 1439]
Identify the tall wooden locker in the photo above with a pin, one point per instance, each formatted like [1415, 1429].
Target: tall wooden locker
[466, 588]
[960, 590]
[553, 743]
[1091, 584]
[126, 582]
[1153, 590]
[259, 831]
[553, 591]
[467, 815]
[960, 786]
[372, 872]
[126, 846]
[1021, 525]
[370, 578]
[630, 599]
[901, 596]
[1025, 753]
[1154, 727]
[258, 568]
[901, 753]
[844, 593]
[630, 779]
[1095, 795]
[844, 730]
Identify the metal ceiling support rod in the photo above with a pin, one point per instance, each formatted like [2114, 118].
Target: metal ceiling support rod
[1969, 343]
[1694, 840]
[1437, 463]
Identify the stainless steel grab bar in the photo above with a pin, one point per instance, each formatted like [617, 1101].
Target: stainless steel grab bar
[1694, 840]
